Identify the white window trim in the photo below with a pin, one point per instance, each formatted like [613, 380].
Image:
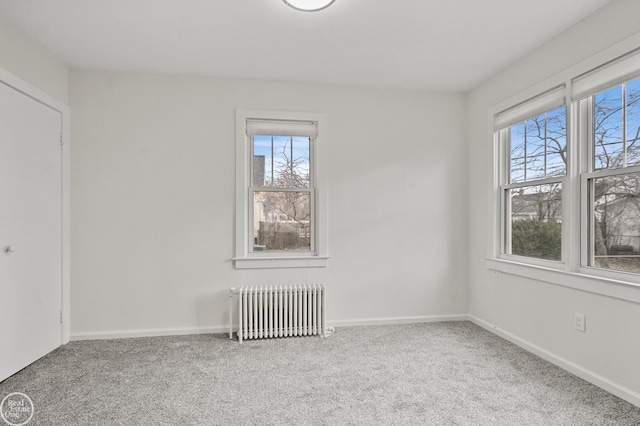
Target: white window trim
[244, 258]
[571, 272]
[530, 107]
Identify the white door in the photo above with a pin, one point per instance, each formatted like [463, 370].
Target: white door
[30, 230]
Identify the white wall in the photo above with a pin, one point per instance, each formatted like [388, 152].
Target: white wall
[153, 200]
[35, 65]
[530, 310]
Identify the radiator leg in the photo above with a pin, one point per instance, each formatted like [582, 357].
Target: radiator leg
[231, 313]
[241, 313]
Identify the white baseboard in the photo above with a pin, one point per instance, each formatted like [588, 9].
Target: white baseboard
[179, 331]
[150, 332]
[398, 320]
[585, 374]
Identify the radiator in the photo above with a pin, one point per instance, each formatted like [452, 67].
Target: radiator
[279, 311]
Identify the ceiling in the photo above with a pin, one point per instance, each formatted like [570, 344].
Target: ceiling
[441, 45]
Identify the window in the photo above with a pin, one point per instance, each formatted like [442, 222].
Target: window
[612, 180]
[280, 216]
[281, 193]
[534, 140]
[568, 175]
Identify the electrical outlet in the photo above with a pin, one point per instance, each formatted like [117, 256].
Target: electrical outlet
[579, 322]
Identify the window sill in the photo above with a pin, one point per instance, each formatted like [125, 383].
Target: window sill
[617, 289]
[281, 262]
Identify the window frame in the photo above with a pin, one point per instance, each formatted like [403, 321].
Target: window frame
[245, 257]
[546, 101]
[584, 107]
[253, 190]
[620, 63]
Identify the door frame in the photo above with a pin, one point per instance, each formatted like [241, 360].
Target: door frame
[27, 89]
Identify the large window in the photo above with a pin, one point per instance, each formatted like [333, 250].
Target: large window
[569, 174]
[280, 216]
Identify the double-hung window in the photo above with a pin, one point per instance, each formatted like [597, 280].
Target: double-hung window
[568, 175]
[280, 220]
[533, 141]
[608, 105]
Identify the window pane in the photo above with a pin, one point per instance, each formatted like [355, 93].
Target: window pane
[539, 147]
[281, 221]
[608, 129]
[633, 122]
[615, 231]
[535, 220]
[281, 161]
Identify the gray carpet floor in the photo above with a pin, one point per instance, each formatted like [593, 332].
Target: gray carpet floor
[422, 374]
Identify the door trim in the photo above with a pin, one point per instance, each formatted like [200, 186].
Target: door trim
[33, 92]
